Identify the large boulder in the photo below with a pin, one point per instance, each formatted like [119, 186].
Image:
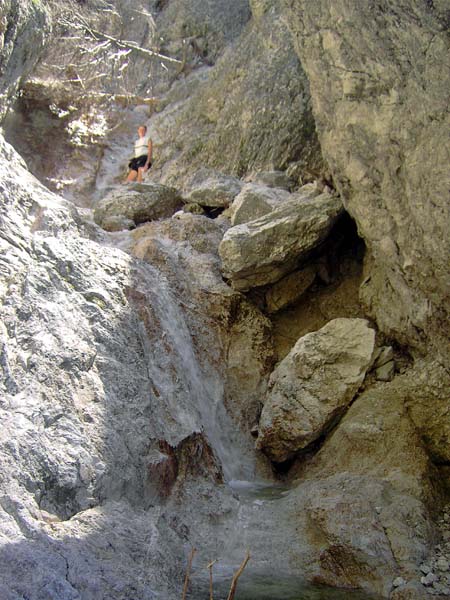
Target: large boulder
[256, 200]
[381, 109]
[311, 388]
[262, 251]
[213, 189]
[137, 203]
[367, 495]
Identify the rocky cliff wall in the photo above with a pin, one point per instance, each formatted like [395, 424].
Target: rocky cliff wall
[236, 99]
[131, 380]
[250, 112]
[104, 405]
[24, 29]
[210, 24]
[379, 76]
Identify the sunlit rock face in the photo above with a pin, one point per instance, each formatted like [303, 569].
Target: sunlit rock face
[379, 82]
[234, 97]
[133, 376]
[115, 376]
[24, 29]
[312, 387]
[251, 111]
[207, 27]
[135, 203]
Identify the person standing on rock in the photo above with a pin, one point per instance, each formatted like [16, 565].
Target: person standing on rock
[142, 160]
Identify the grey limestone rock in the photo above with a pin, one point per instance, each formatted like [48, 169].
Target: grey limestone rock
[213, 189]
[386, 371]
[428, 406]
[429, 579]
[99, 369]
[385, 354]
[311, 388]
[261, 7]
[137, 203]
[410, 591]
[117, 223]
[442, 564]
[185, 250]
[264, 250]
[194, 208]
[249, 112]
[256, 200]
[389, 477]
[372, 95]
[24, 30]
[212, 23]
[275, 179]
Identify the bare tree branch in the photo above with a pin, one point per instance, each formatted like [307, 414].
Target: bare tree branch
[237, 575]
[210, 566]
[188, 573]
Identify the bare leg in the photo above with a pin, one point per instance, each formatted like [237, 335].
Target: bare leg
[132, 176]
[140, 174]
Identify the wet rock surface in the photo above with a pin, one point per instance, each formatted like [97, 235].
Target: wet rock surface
[185, 250]
[128, 412]
[133, 377]
[89, 383]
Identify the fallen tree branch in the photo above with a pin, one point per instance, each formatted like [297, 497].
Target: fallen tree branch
[210, 566]
[127, 44]
[188, 572]
[237, 575]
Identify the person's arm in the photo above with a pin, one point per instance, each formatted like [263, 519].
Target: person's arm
[149, 154]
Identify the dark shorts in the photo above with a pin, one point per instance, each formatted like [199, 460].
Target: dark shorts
[136, 163]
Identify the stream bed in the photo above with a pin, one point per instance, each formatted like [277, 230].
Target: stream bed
[264, 588]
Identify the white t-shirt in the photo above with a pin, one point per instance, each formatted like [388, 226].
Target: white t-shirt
[141, 146]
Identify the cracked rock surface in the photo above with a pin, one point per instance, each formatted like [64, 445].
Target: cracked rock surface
[379, 77]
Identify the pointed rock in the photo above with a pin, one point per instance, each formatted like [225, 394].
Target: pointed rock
[311, 388]
[290, 289]
[255, 201]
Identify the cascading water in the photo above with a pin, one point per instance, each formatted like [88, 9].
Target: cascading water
[251, 510]
[254, 509]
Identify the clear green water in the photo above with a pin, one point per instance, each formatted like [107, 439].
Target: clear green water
[260, 588]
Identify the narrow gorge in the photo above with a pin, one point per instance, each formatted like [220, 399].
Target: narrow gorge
[248, 351]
